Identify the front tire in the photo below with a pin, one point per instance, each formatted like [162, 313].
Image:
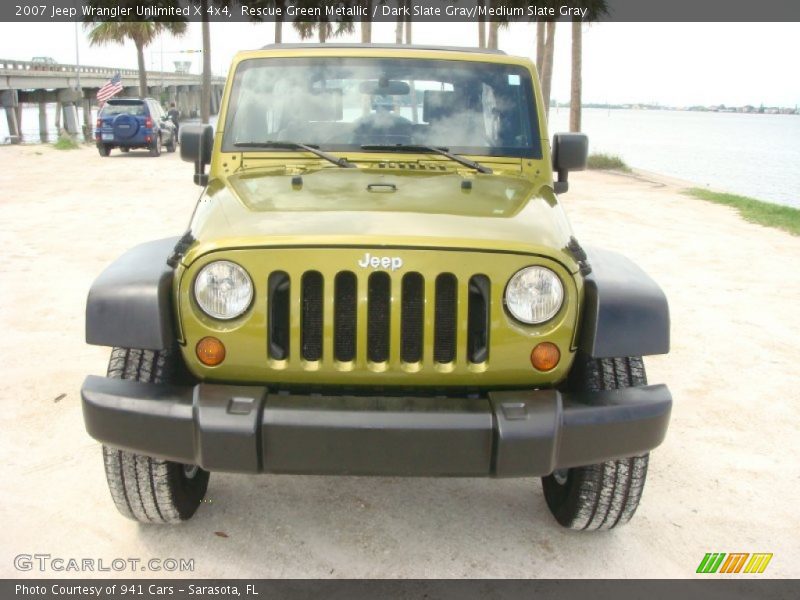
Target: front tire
[147, 489]
[604, 495]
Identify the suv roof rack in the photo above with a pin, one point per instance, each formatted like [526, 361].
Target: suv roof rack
[387, 46]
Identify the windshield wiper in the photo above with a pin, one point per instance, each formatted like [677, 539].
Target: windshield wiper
[342, 162]
[434, 149]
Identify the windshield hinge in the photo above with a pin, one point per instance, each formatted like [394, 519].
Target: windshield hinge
[579, 254]
[181, 247]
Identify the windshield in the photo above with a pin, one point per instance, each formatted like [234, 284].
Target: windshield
[345, 103]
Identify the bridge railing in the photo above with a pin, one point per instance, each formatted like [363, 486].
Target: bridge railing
[58, 68]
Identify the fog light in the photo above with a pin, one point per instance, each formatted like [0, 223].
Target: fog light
[545, 356]
[210, 351]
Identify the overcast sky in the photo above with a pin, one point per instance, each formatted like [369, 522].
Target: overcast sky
[676, 64]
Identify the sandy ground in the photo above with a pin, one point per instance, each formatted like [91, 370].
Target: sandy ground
[726, 479]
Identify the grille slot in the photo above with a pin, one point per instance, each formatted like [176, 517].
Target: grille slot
[377, 317]
[311, 315]
[478, 319]
[278, 315]
[379, 298]
[445, 314]
[412, 318]
[345, 291]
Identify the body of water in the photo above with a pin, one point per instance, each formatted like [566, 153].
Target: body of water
[748, 154]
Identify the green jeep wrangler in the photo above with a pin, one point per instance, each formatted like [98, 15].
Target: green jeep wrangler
[378, 279]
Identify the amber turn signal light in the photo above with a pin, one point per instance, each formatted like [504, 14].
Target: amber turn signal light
[545, 356]
[210, 351]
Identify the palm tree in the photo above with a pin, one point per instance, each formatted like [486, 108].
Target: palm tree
[403, 25]
[576, 82]
[324, 28]
[142, 34]
[540, 33]
[597, 9]
[366, 22]
[205, 89]
[481, 25]
[546, 74]
[281, 5]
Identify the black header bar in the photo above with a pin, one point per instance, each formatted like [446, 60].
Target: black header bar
[337, 11]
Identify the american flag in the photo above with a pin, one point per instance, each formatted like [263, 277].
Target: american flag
[110, 89]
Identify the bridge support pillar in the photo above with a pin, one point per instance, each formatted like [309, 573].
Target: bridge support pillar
[182, 94]
[69, 99]
[43, 135]
[87, 119]
[10, 102]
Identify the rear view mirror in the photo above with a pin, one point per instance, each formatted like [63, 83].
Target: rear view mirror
[570, 153]
[197, 143]
[384, 87]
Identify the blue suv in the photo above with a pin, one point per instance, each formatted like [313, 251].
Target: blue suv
[127, 123]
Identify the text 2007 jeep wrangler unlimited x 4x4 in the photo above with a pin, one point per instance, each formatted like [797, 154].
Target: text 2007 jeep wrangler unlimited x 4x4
[378, 279]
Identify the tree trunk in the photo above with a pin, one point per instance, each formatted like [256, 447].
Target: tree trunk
[408, 23]
[398, 33]
[323, 31]
[205, 90]
[481, 26]
[279, 22]
[366, 23]
[540, 33]
[576, 80]
[547, 65]
[142, 69]
[494, 29]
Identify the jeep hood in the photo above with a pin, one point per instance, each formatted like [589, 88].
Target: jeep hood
[380, 208]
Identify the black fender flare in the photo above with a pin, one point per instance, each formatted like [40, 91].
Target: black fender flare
[130, 303]
[625, 312]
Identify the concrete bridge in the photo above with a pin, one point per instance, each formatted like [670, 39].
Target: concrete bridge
[74, 89]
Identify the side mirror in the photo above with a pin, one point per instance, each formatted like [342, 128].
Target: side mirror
[570, 153]
[197, 144]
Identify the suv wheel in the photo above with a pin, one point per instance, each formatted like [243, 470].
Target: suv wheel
[604, 495]
[147, 489]
[104, 149]
[155, 146]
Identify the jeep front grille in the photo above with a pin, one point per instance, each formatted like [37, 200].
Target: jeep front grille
[392, 310]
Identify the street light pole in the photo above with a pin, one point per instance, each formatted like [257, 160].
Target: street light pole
[77, 60]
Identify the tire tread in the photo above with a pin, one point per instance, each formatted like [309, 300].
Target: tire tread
[143, 488]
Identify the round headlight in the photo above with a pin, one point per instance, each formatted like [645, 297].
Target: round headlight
[534, 295]
[223, 290]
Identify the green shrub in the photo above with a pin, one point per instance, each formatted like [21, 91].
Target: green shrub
[607, 162]
[65, 142]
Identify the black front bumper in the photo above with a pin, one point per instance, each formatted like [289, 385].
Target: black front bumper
[246, 429]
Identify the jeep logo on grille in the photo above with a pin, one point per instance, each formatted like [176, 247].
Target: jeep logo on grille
[381, 262]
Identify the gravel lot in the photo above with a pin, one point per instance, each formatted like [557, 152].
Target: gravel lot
[724, 480]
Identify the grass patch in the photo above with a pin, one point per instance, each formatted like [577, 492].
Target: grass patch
[607, 162]
[65, 142]
[755, 211]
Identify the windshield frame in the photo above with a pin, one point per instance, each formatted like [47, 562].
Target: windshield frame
[534, 151]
